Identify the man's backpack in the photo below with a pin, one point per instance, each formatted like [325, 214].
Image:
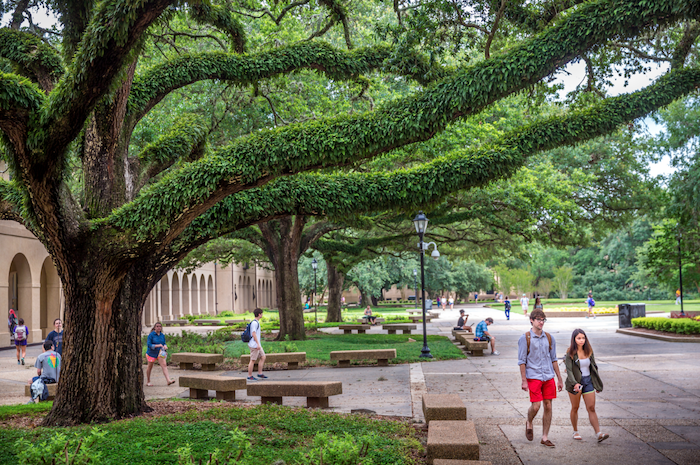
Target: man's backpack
[20, 333]
[248, 333]
[527, 338]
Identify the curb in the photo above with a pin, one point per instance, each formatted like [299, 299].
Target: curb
[658, 336]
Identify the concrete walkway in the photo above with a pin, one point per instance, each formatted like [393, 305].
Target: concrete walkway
[650, 405]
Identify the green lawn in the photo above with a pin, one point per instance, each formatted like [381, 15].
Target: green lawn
[651, 306]
[319, 346]
[265, 434]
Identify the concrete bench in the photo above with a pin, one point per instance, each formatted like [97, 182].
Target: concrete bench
[292, 359]
[316, 392]
[207, 322]
[200, 385]
[456, 332]
[348, 329]
[365, 320]
[186, 359]
[414, 311]
[419, 318]
[174, 322]
[443, 407]
[381, 355]
[52, 390]
[405, 328]
[452, 439]
[477, 348]
[235, 322]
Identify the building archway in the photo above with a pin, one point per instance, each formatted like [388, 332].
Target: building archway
[194, 292]
[49, 297]
[175, 310]
[165, 295]
[203, 296]
[211, 304]
[186, 298]
[20, 290]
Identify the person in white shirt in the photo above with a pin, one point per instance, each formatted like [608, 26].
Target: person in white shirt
[255, 345]
[524, 302]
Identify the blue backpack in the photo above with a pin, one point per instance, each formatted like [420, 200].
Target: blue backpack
[247, 334]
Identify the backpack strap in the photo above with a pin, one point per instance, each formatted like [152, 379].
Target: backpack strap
[549, 338]
[527, 338]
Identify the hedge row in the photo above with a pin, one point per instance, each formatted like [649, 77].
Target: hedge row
[680, 326]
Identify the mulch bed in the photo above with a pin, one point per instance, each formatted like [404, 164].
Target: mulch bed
[664, 333]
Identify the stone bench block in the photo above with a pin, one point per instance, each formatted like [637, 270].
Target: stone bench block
[174, 322]
[419, 319]
[452, 439]
[457, 332]
[292, 359]
[316, 392]
[200, 385]
[235, 322]
[52, 390]
[477, 348]
[405, 328]
[362, 320]
[207, 322]
[348, 329]
[381, 355]
[186, 359]
[443, 407]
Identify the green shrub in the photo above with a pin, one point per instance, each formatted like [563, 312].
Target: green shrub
[60, 448]
[679, 326]
[226, 313]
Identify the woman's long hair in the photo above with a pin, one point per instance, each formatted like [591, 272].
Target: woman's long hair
[538, 301]
[573, 348]
[155, 324]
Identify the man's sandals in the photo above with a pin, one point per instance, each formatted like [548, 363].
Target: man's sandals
[528, 433]
[547, 443]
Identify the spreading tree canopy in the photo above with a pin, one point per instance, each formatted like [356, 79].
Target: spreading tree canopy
[74, 105]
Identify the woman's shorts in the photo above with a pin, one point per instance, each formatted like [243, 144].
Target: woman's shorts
[587, 384]
[23, 342]
[151, 359]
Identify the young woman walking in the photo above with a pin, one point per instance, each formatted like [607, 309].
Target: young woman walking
[156, 343]
[582, 379]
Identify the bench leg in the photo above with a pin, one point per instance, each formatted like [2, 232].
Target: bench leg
[198, 393]
[360, 331]
[292, 365]
[317, 402]
[226, 395]
[406, 331]
[208, 366]
[185, 366]
[478, 352]
[343, 363]
[347, 331]
[271, 400]
[391, 331]
[383, 362]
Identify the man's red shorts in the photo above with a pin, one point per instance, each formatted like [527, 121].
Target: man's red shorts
[540, 390]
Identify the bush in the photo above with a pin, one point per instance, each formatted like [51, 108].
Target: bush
[679, 326]
[226, 313]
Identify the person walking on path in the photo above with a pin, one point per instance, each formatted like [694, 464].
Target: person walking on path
[482, 333]
[157, 352]
[255, 346]
[451, 301]
[524, 303]
[12, 321]
[21, 332]
[507, 308]
[678, 296]
[538, 304]
[582, 379]
[56, 336]
[591, 304]
[537, 358]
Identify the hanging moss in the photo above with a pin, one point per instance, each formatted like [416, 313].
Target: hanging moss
[30, 55]
[221, 18]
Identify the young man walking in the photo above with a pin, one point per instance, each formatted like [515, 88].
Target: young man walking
[255, 346]
[537, 357]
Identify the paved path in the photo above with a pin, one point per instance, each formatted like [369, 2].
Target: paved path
[650, 405]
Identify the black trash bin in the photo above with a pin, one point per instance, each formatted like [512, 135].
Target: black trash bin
[629, 311]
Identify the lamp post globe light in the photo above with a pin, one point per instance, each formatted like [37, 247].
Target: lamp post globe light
[314, 265]
[421, 224]
[415, 286]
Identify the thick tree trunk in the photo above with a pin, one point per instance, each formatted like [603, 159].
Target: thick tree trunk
[101, 375]
[336, 279]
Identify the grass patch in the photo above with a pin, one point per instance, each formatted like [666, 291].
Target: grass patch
[319, 346]
[29, 410]
[651, 305]
[264, 434]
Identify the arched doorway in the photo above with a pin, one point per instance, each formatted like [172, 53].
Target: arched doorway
[49, 297]
[203, 296]
[20, 291]
[165, 297]
[186, 307]
[194, 292]
[176, 296]
[211, 304]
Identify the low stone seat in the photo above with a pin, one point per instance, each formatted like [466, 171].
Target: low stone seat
[235, 322]
[316, 392]
[348, 329]
[292, 359]
[419, 318]
[405, 328]
[207, 322]
[456, 332]
[477, 348]
[174, 322]
[186, 359]
[452, 439]
[381, 355]
[365, 320]
[52, 390]
[443, 407]
[200, 385]
[414, 311]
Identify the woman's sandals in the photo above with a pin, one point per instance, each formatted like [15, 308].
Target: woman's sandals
[577, 436]
[602, 436]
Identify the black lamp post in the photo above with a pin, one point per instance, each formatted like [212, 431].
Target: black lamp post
[680, 272]
[314, 265]
[415, 285]
[421, 224]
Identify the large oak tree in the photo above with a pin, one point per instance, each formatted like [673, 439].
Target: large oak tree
[138, 214]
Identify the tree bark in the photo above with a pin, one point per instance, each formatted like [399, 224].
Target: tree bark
[336, 279]
[101, 376]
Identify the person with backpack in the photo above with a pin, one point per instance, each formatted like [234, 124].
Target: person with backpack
[591, 304]
[156, 351]
[507, 308]
[255, 345]
[21, 332]
[48, 369]
[583, 380]
[537, 358]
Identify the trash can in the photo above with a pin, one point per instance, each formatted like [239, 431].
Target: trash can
[628, 311]
[428, 304]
